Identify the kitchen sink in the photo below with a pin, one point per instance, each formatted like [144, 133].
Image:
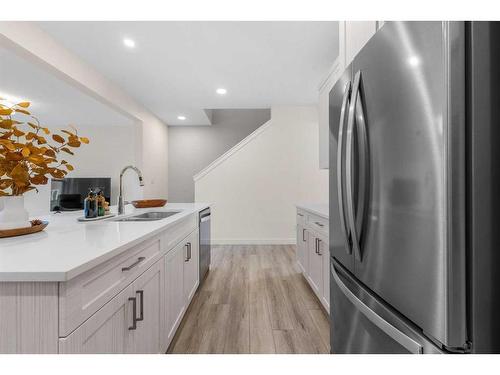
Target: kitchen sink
[149, 216]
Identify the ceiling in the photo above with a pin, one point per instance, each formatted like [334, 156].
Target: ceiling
[54, 102]
[176, 66]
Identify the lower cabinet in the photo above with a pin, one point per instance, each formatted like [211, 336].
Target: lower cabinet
[145, 315]
[191, 265]
[182, 280]
[313, 255]
[315, 266]
[107, 331]
[175, 301]
[302, 250]
[324, 253]
[150, 303]
[129, 323]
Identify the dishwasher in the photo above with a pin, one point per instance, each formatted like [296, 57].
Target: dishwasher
[205, 246]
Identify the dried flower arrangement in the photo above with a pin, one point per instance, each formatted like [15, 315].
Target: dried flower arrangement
[27, 158]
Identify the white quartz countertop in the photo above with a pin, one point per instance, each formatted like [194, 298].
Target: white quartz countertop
[67, 247]
[320, 209]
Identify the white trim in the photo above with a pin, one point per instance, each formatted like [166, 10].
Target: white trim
[342, 43]
[270, 241]
[232, 150]
[332, 74]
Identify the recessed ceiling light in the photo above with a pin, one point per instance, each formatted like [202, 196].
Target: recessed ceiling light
[182, 118]
[128, 43]
[221, 91]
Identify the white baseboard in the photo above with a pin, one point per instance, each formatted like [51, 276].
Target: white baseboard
[269, 241]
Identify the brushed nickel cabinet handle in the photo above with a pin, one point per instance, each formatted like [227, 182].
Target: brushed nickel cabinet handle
[141, 306]
[319, 247]
[186, 258]
[303, 235]
[128, 268]
[319, 224]
[189, 250]
[300, 214]
[134, 312]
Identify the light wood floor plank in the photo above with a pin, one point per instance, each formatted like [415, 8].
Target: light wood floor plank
[321, 321]
[261, 336]
[254, 300]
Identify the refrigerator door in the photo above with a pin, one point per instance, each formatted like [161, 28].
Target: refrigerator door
[340, 246]
[412, 242]
[364, 324]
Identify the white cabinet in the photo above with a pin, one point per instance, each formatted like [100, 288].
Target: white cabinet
[324, 253]
[315, 266]
[149, 292]
[107, 331]
[324, 112]
[174, 280]
[319, 273]
[302, 250]
[313, 254]
[132, 302]
[191, 264]
[353, 36]
[129, 323]
[181, 281]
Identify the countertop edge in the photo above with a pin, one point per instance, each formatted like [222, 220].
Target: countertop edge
[63, 276]
[310, 208]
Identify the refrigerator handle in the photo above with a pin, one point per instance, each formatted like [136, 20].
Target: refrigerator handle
[356, 116]
[407, 342]
[340, 168]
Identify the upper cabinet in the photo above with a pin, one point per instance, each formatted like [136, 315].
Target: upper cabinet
[353, 35]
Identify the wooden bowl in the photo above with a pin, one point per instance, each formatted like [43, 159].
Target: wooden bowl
[22, 231]
[148, 203]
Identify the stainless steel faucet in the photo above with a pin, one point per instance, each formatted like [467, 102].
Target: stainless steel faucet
[121, 204]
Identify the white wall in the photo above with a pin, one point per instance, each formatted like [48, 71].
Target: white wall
[254, 190]
[193, 148]
[151, 146]
[109, 150]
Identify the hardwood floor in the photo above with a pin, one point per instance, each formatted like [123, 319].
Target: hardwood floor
[254, 300]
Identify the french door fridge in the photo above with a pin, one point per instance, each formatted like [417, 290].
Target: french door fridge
[399, 184]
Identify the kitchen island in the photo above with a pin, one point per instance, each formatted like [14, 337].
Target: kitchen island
[99, 287]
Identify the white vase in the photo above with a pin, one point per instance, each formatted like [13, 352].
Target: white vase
[14, 215]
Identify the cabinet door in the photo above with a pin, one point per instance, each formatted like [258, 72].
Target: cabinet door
[107, 331]
[315, 266]
[149, 292]
[174, 292]
[191, 264]
[324, 253]
[302, 249]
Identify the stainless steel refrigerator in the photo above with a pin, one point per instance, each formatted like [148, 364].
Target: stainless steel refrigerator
[414, 180]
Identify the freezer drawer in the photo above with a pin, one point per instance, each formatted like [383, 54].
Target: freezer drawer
[362, 323]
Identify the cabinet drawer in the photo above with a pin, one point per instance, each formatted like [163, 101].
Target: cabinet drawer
[317, 223]
[179, 231]
[301, 217]
[82, 296]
